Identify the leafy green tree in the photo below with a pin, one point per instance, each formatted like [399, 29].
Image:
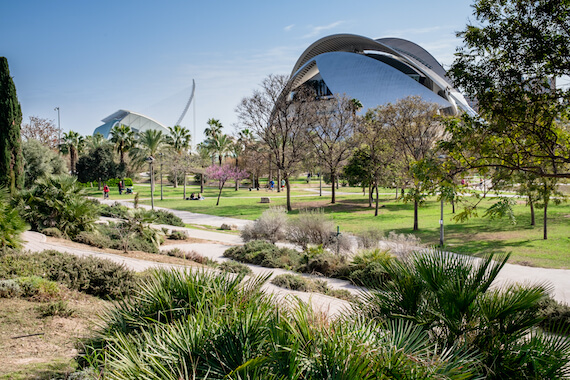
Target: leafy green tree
[11, 224]
[11, 160]
[412, 129]
[509, 63]
[40, 161]
[58, 201]
[98, 166]
[72, 144]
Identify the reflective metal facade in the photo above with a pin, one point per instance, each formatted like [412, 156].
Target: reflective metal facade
[378, 71]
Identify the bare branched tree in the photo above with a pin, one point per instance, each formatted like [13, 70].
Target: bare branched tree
[43, 130]
[332, 134]
[278, 116]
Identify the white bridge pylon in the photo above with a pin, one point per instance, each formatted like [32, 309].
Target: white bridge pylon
[187, 103]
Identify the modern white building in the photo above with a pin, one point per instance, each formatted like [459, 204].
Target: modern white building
[137, 122]
[376, 72]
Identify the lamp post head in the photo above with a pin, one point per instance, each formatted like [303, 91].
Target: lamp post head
[150, 159]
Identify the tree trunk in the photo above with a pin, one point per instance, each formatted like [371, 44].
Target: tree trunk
[333, 196]
[453, 206]
[99, 184]
[370, 189]
[184, 197]
[376, 186]
[279, 180]
[531, 204]
[289, 208]
[545, 229]
[416, 215]
[201, 183]
[220, 193]
[396, 192]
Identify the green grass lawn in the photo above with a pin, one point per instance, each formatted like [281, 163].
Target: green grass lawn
[351, 213]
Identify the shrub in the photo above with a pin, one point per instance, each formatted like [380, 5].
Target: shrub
[58, 201]
[99, 277]
[302, 284]
[235, 267]
[369, 238]
[166, 217]
[38, 288]
[556, 315]
[58, 308]
[9, 289]
[292, 282]
[325, 264]
[114, 182]
[11, 224]
[403, 244]
[178, 235]
[311, 227]
[261, 252]
[187, 255]
[53, 232]
[367, 268]
[270, 226]
[94, 238]
[115, 210]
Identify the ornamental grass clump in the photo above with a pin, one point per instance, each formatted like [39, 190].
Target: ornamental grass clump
[270, 226]
[450, 297]
[200, 325]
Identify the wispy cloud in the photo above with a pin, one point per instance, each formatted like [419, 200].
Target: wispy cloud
[288, 27]
[406, 32]
[316, 30]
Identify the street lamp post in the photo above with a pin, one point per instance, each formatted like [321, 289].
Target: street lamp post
[160, 155]
[58, 124]
[441, 224]
[150, 160]
[441, 159]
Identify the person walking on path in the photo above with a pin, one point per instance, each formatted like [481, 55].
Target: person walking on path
[105, 191]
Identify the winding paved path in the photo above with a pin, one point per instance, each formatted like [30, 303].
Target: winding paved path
[558, 278]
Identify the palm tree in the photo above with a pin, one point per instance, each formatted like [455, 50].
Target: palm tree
[72, 144]
[148, 144]
[450, 296]
[94, 142]
[124, 139]
[214, 129]
[179, 138]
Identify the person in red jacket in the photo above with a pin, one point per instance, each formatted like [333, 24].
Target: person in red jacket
[106, 191]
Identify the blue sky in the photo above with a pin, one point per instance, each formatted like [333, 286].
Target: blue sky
[92, 58]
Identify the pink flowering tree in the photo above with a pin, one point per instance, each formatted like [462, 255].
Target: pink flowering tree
[224, 172]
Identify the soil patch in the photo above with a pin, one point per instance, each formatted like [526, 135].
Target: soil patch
[57, 337]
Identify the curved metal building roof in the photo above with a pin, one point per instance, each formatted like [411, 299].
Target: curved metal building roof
[137, 122]
[377, 71]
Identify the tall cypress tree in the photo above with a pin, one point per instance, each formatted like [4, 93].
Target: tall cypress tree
[11, 159]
